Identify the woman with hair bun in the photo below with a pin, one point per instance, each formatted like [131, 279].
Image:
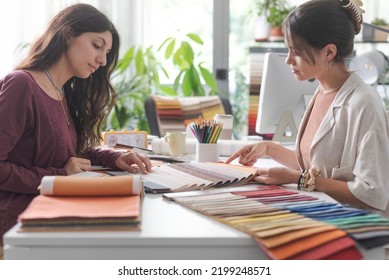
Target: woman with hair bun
[342, 147]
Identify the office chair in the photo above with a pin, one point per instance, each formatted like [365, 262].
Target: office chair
[175, 113]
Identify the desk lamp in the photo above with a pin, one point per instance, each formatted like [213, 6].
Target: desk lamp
[373, 65]
[370, 66]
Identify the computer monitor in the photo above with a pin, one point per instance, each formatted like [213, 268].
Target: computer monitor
[281, 93]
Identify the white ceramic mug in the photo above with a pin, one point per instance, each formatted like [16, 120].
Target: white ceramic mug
[177, 142]
[227, 121]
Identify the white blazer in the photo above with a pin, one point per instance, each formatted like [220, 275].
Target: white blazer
[352, 143]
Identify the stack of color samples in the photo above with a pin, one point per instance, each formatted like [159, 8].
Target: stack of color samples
[293, 225]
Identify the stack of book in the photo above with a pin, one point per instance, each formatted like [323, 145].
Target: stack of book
[69, 203]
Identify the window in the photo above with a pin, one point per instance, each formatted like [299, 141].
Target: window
[150, 22]
[175, 18]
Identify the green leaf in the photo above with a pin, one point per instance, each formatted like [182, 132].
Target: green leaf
[208, 78]
[165, 72]
[122, 117]
[138, 106]
[139, 61]
[20, 47]
[178, 58]
[164, 42]
[129, 53]
[177, 80]
[196, 82]
[186, 86]
[170, 48]
[114, 120]
[169, 91]
[143, 125]
[191, 84]
[125, 62]
[195, 38]
[155, 79]
[187, 52]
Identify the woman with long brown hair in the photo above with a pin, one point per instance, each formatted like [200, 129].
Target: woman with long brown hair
[53, 105]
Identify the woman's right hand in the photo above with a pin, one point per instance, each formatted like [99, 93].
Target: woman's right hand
[76, 165]
[249, 154]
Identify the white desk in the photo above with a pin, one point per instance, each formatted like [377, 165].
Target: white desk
[169, 231]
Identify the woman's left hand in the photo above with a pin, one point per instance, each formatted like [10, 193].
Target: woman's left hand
[276, 176]
[126, 161]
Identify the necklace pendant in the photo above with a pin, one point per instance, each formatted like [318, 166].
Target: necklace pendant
[61, 93]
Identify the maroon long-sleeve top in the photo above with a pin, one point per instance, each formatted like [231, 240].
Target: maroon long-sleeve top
[35, 140]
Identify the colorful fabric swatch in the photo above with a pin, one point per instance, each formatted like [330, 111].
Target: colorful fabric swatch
[175, 113]
[292, 225]
[194, 176]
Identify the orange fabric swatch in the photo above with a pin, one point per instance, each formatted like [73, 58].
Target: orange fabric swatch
[290, 249]
[328, 250]
[48, 207]
[350, 253]
[94, 186]
[290, 236]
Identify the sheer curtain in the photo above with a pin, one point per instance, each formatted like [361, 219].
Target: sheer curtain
[20, 24]
[138, 21]
[23, 20]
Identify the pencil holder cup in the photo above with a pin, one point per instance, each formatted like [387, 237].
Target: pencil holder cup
[207, 152]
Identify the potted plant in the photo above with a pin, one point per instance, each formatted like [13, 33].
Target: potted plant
[275, 12]
[135, 78]
[380, 36]
[193, 79]
[372, 34]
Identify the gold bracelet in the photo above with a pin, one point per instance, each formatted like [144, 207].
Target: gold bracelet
[307, 180]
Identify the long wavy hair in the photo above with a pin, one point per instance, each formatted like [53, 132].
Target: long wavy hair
[91, 99]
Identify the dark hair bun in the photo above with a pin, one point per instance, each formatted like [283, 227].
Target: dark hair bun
[355, 10]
